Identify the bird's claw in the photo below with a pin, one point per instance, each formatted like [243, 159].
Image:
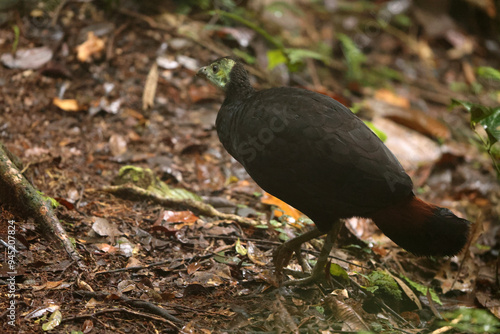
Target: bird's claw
[282, 256]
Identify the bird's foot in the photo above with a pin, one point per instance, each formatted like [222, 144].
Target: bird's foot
[282, 256]
[317, 275]
[284, 252]
[319, 272]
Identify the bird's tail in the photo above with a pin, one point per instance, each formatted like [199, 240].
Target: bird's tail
[422, 228]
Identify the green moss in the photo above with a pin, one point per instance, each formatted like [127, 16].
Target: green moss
[146, 179]
[381, 283]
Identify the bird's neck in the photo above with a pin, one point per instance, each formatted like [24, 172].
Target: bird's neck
[238, 88]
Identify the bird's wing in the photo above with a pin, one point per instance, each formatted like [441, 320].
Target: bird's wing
[314, 153]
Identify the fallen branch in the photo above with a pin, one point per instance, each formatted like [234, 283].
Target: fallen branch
[132, 191]
[19, 193]
[151, 308]
[121, 310]
[155, 264]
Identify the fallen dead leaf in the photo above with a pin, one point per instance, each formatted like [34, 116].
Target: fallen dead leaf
[286, 208]
[67, 104]
[391, 98]
[92, 46]
[148, 97]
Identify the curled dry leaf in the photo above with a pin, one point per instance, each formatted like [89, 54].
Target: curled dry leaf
[389, 105]
[104, 228]
[341, 311]
[117, 145]
[67, 104]
[255, 255]
[406, 289]
[92, 46]
[286, 208]
[148, 96]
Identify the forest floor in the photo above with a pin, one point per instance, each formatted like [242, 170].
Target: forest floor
[106, 88]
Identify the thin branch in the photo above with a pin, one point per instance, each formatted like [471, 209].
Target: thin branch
[129, 190]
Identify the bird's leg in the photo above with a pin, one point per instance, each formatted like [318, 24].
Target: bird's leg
[318, 271]
[304, 264]
[284, 252]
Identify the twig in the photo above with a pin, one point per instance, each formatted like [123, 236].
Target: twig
[151, 265]
[475, 232]
[252, 26]
[114, 310]
[17, 191]
[57, 12]
[136, 303]
[111, 41]
[129, 190]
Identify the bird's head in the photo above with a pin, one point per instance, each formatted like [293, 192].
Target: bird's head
[218, 73]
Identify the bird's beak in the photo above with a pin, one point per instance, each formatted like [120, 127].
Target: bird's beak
[202, 72]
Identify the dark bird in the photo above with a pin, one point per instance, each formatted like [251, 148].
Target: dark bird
[312, 152]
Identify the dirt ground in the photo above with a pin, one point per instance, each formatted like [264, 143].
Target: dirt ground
[83, 106]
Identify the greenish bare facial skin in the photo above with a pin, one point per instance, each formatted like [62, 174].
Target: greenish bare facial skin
[218, 72]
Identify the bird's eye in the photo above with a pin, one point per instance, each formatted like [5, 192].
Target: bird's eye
[215, 68]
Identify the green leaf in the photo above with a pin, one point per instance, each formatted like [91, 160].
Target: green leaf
[468, 320]
[353, 56]
[146, 179]
[274, 58]
[222, 258]
[381, 134]
[320, 309]
[491, 125]
[283, 236]
[16, 38]
[54, 321]
[238, 18]
[423, 290]
[487, 72]
[240, 249]
[275, 223]
[298, 55]
[53, 203]
[248, 58]
[281, 6]
[403, 20]
[339, 272]
[477, 111]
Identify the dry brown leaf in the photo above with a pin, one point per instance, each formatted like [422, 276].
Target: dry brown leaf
[343, 312]
[391, 98]
[409, 292]
[492, 303]
[412, 148]
[199, 93]
[106, 248]
[92, 46]
[186, 217]
[133, 262]
[254, 254]
[117, 145]
[286, 208]
[148, 97]
[67, 105]
[193, 267]
[386, 106]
